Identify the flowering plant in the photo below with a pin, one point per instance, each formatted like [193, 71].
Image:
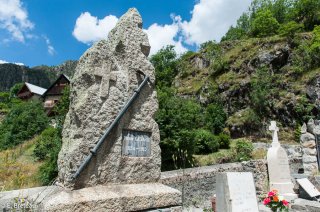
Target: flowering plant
[276, 202]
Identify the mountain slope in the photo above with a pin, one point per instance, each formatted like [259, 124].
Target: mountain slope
[256, 80]
[43, 76]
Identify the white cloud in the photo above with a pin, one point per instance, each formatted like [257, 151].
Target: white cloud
[51, 49]
[14, 19]
[211, 19]
[89, 29]
[3, 62]
[160, 36]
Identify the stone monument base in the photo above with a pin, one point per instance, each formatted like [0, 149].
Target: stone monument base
[282, 188]
[128, 197]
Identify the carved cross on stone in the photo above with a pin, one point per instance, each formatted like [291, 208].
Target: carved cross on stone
[274, 129]
[105, 74]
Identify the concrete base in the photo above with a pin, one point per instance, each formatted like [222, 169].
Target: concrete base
[130, 197]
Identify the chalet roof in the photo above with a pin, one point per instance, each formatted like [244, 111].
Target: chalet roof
[35, 89]
[61, 76]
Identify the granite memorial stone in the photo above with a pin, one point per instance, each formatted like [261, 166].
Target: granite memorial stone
[107, 76]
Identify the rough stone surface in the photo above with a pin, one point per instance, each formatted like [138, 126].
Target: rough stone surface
[310, 126]
[127, 197]
[308, 143]
[307, 137]
[305, 205]
[309, 159]
[106, 77]
[30, 198]
[133, 197]
[310, 151]
[303, 128]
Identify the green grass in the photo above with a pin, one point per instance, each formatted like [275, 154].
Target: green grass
[18, 168]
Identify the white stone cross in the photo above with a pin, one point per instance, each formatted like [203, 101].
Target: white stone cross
[274, 129]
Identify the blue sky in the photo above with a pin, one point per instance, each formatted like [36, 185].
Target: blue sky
[35, 32]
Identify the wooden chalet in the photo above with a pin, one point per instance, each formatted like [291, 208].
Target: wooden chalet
[30, 92]
[53, 94]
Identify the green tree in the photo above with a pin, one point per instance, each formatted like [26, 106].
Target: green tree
[307, 12]
[177, 117]
[61, 108]
[281, 9]
[165, 64]
[15, 89]
[264, 24]
[240, 31]
[215, 118]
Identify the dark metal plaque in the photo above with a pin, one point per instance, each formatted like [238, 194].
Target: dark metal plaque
[136, 144]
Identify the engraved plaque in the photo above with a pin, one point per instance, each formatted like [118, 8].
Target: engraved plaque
[136, 143]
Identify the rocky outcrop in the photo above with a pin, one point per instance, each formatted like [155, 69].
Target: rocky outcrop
[43, 76]
[11, 74]
[106, 76]
[313, 90]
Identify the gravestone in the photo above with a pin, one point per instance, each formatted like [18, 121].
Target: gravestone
[235, 192]
[278, 167]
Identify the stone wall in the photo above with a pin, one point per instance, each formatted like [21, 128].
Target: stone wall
[309, 132]
[198, 184]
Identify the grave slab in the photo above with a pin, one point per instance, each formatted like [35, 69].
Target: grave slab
[311, 190]
[236, 192]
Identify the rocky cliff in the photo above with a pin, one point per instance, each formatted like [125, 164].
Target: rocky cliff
[43, 76]
[255, 80]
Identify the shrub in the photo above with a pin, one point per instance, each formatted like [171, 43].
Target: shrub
[290, 29]
[224, 141]
[23, 122]
[206, 142]
[49, 170]
[243, 150]
[47, 141]
[264, 24]
[47, 148]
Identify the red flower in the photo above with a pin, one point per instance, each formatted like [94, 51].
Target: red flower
[271, 193]
[266, 201]
[285, 203]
